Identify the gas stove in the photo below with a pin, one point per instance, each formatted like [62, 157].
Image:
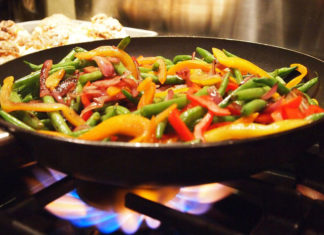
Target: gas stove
[286, 200]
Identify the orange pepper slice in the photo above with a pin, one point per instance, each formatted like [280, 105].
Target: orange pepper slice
[190, 64]
[148, 87]
[10, 106]
[125, 58]
[54, 79]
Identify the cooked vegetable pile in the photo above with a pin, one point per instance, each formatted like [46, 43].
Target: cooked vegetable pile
[107, 95]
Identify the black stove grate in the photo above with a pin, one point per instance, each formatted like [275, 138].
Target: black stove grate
[267, 202]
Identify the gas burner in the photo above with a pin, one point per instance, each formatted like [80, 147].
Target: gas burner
[103, 206]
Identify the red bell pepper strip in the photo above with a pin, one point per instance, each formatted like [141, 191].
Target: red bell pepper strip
[179, 126]
[210, 105]
[231, 86]
[313, 109]
[85, 100]
[202, 126]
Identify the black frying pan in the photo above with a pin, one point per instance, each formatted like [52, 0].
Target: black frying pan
[176, 164]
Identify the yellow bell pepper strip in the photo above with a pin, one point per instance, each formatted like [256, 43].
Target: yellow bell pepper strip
[112, 51]
[199, 77]
[239, 63]
[148, 87]
[54, 79]
[124, 124]
[190, 64]
[250, 130]
[9, 106]
[295, 81]
[54, 133]
[146, 60]
[163, 94]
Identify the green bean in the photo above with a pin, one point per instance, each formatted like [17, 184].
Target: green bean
[304, 88]
[129, 96]
[191, 115]
[315, 116]
[223, 85]
[25, 116]
[113, 110]
[156, 66]
[152, 109]
[282, 89]
[109, 112]
[252, 93]
[119, 68]
[47, 124]
[144, 70]
[34, 67]
[93, 119]
[310, 100]
[280, 80]
[75, 103]
[80, 132]
[249, 84]
[179, 58]
[57, 120]
[238, 75]
[124, 43]
[282, 72]
[11, 119]
[166, 61]
[160, 128]
[76, 64]
[71, 55]
[27, 98]
[253, 106]
[93, 76]
[229, 54]
[170, 79]
[229, 118]
[68, 57]
[206, 55]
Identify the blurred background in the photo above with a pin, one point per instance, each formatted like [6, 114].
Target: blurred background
[293, 24]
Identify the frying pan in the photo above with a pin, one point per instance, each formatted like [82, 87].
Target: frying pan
[130, 164]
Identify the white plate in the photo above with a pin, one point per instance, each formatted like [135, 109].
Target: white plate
[133, 32]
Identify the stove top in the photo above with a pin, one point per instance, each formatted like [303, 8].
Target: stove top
[285, 200]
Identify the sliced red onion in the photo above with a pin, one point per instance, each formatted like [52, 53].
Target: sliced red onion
[105, 83]
[269, 94]
[105, 66]
[273, 106]
[93, 105]
[43, 90]
[214, 94]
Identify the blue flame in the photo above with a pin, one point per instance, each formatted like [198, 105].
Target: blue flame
[108, 221]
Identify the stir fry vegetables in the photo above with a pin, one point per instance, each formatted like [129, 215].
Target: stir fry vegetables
[105, 94]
